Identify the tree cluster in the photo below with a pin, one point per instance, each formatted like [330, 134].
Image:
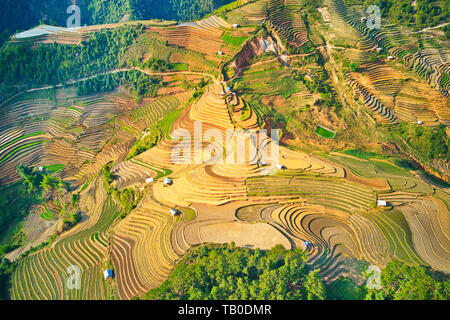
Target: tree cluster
[430, 142]
[18, 15]
[140, 84]
[402, 282]
[151, 137]
[39, 181]
[219, 272]
[129, 198]
[57, 63]
[427, 12]
[224, 272]
[318, 84]
[15, 202]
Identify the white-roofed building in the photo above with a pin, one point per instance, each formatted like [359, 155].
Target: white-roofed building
[149, 180]
[107, 274]
[381, 203]
[280, 166]
[167, 181]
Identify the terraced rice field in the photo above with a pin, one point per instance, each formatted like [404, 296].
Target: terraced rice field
[44, 274]
[142, 253]
[429, 221]
[253, 13]
[155, 110]
[422, 62]
[200, 36]
[330, 193]
[40, 129]
[286, 197]
[269, 79]
[397, 177]
[330, 232]
[286, 20]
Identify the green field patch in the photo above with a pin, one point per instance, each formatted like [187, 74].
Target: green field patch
[360, 154]
[21, 137]
[155, 110]
[95, 236]
[130, 129]
[251, 213]
[75, 109]
[397, 233]
[325, 133]
[159, 173]
[188, 214]
[260, 72]
[85, 185]
[387, 167]
[288, 86]
[168, 121]
[47, 215]
[55, 168]
[178, 66]
[20, 148]
[233, 41]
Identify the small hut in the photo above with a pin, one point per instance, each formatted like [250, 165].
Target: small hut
[280, 166]
[381, 203]
[167, 181]
[107, 274]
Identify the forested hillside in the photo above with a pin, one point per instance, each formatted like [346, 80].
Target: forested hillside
[215, 272]
[321, 170]
[420, 13]
[53, 64]
[25, 14]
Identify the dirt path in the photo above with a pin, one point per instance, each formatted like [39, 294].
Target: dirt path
[150, 73]
[13, 255]
[284, 58]
[435, 27]
[429, 28]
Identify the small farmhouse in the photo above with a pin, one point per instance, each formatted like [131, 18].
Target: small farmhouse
[167, 181]
[381, 203]
[107, 274]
